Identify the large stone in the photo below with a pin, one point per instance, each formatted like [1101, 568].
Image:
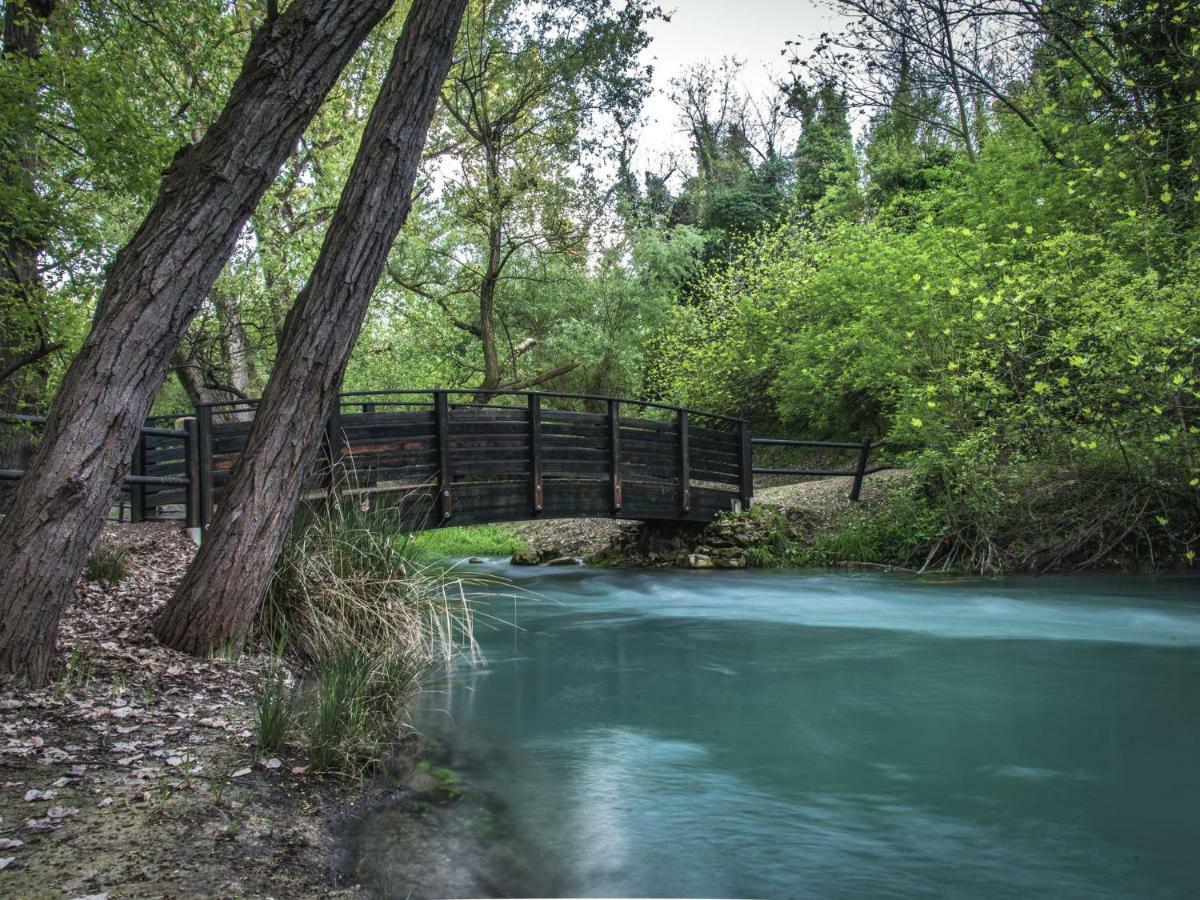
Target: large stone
[700, 561]
[566, 561]
[525, 558]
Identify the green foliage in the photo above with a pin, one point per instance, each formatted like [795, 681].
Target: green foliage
[900, 531]
[107, 565]
[1018, 335]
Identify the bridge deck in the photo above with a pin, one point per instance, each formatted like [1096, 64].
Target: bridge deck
[521, 456]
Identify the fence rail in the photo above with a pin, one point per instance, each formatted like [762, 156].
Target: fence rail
[859, 472]
[160, 474]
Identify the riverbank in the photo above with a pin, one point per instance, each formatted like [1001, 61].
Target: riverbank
[786, 521]
[135, 773]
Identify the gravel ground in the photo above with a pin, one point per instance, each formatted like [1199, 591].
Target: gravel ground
[596, 538]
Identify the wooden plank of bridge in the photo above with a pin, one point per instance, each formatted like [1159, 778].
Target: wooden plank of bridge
[746, 465]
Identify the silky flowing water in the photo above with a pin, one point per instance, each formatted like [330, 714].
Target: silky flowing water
[674, 734]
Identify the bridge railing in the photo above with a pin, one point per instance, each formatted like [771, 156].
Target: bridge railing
[859, 472]
[501, 455]
[161, 479]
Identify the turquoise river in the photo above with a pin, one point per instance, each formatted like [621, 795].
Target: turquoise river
[825, 735]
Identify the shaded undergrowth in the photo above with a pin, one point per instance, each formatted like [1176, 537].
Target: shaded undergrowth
[359, 612]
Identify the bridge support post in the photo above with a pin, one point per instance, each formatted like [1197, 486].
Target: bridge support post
[746, 464]
[614, 453]
[685, 492]
[441, 420]
[333, 442]
[204, 455]
[137, 492]
[536, 487]
[191, 459]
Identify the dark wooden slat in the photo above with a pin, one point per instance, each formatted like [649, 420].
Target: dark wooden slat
[614, 428]
[441, 415]
[537, 499]
[685, 494]
[746, 488]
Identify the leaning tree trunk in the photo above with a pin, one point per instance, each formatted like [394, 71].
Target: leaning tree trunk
[154, 288]
[219, 597]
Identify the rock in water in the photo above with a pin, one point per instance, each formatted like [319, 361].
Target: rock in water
[525, 558]
[566, 561]
[700, 561]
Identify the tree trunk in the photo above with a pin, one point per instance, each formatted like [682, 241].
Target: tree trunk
[154, 288]
[21, 237]
[219, 597]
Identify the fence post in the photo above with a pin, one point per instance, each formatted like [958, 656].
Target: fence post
[333, 441]
[860, 469]
[204, 456]
[746, 465]
[538, 498]
[191, 460]
[685, 493]
[614, 450]
[137, 492]
[441, 418]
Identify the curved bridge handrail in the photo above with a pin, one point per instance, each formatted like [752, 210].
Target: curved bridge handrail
[584, 455]
[235, 405]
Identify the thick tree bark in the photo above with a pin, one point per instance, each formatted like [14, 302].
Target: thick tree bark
[23, 344]
[219, 597]
[154, 288]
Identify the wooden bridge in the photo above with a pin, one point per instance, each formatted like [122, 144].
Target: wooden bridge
[469, 457]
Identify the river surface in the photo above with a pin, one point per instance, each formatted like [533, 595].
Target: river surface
[753, 734]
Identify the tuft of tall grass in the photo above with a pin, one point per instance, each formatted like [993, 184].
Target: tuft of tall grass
[107, 565]
[275, 711]
[367, 613]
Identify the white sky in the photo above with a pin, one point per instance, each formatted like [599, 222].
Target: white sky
[752, 30]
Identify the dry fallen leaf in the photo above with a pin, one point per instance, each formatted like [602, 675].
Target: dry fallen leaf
[34, 794]
[10, 844]
[272, 763]
[5, 860]
[240, 772]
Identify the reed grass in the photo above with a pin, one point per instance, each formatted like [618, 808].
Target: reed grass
[366, 614]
